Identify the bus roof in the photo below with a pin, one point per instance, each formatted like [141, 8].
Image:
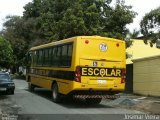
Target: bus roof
[52, 43]
[70, 40]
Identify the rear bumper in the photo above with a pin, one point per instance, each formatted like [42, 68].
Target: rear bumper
[4, 87]
[7, 88]
[79, 88]
[93, 92]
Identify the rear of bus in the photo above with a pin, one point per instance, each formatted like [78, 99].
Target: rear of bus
[99, 65]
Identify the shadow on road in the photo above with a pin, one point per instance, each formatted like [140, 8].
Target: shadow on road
[68, 102]
[3, 95]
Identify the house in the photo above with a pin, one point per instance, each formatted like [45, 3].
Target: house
[135, 81]
[140, 50]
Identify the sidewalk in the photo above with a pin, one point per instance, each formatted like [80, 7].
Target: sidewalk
[145, 104]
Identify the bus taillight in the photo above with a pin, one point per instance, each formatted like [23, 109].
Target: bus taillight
[86, 41]
[78, 74]
[117, 44]
[123, 78]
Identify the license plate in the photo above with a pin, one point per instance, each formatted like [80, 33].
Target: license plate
[2, 89]
[101, 81]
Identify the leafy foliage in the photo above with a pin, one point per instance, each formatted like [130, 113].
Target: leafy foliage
[59, 19]
[150, 26]
[44, 21]
[5, 53]
[117, 19]
[15, 34]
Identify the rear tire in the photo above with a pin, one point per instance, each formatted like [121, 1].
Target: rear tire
[93, 100]
[56, 97]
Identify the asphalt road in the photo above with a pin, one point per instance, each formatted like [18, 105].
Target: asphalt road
[39, 105]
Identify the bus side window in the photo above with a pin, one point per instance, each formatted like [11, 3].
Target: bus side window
[54, 51]
[58, 55]
[35, 58]
[50, 56]
[70, 50]
[64, 56]
[46, 57]
[40, 58]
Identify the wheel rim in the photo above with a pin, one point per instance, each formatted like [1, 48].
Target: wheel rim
[54, 93]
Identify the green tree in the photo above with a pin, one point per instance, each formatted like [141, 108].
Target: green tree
[150, 26]
[15, 33]
[6, 53]
[59, 19]
[117, 18]
[46, 20]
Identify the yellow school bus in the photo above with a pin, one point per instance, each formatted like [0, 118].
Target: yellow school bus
[83, 65]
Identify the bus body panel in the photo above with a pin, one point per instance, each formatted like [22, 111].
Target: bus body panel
[100, 61]
[90, 56]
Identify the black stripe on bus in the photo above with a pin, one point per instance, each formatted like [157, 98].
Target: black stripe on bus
[67, 75]
[59, 74]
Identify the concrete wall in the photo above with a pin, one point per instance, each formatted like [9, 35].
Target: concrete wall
[146, 76]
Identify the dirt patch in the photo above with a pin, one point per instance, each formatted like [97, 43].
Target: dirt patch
[148, 106]
[145, 104]
[8, 108]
